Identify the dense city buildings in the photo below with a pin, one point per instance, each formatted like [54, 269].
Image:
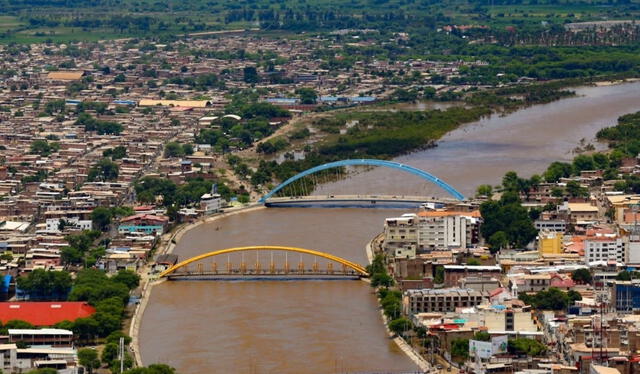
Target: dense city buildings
[134, 138]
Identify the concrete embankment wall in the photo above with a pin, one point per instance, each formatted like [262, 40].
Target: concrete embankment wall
[400, 342]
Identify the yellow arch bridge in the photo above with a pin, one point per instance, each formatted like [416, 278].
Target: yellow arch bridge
[345, 267]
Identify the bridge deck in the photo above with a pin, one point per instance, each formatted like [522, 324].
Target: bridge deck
[337, 200]
[268, 275]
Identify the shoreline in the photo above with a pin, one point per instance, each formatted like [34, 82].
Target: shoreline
[405, 347]
[168, 246]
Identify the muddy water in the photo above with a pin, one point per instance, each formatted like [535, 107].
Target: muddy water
[279, 326]
[333, 326]
[526, 141]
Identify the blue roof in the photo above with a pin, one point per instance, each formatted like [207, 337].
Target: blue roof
[282, 100]
[356, 99]
[124, 102]
[6, 282]
[329, 98]
[362, 99]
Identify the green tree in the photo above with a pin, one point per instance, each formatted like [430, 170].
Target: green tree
[526, 346]
[89, 359]
[187, 149]
[551, 299]
[251, 74]
[484, 190]
[115, 336]
[128, 364]
[392, 304]
[583, 162]
[43, 371]
[307, 95]
[582, 276]
[624, 276]
[109, 353]
[43, 148]
[101, 218]
[510, 181]
[498, 241]
[399, 325]
[509, 216]
[460, 348]
[16, 324]
[576, 190]
[71, 256]
[173, 149]
[128, 278]
[439, 275]
[473, 262]
[47, 285]
[116, 153]
[557, 192]
[105, 170]
[573, 296]
[148, 188]
[558, 170]
[381, 280]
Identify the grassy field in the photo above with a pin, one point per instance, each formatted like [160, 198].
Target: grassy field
[31, 20]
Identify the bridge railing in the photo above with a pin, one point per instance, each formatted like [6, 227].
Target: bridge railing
[245, 267]
[367, 162]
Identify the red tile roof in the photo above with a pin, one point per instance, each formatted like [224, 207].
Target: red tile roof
[44, 313]
[143, 208]
[146, 217]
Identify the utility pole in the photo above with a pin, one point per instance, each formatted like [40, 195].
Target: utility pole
[121, 354]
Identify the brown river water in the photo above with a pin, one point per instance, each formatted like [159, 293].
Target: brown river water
[334, 326]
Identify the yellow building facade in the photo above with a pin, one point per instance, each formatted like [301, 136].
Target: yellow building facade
[549, 242]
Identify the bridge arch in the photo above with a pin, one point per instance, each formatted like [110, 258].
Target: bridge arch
[352, 265]
[369, 162]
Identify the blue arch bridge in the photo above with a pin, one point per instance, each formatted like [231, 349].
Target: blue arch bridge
[299, 197]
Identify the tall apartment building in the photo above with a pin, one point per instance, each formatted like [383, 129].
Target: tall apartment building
[439, 230]
[606, 247]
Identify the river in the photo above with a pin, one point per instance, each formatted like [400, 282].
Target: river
[334, 326]
[526, 141]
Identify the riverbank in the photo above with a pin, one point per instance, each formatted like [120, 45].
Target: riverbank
[526, 141]
[167, 245]
[400, 342]
[405, 347]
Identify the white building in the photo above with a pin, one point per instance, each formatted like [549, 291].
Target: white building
[211, 203]
[401, 236]
[8, 357]
[442, 230]
[633, 250]
[605, 247]
[53, 224]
